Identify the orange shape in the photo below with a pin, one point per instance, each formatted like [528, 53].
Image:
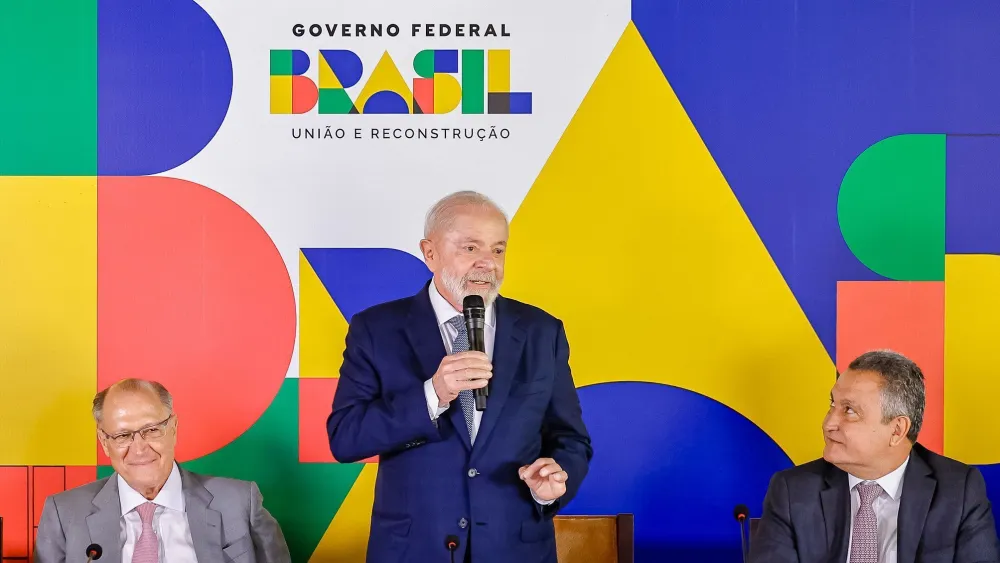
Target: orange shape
[907, 317]
[14, 507]
[315, 401]
[193, 293]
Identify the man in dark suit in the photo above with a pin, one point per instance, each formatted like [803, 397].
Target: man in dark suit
[876, 496]
[495, 478]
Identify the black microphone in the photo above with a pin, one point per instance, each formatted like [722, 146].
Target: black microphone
[475, 324]
[451, 542]
[94, 552]
[741, 513]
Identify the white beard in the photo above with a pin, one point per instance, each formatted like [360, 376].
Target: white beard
[457, 286]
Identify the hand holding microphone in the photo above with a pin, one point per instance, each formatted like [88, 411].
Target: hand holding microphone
[457, 372]
[471, 369]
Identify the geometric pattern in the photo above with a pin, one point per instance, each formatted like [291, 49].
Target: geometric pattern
[778, 197]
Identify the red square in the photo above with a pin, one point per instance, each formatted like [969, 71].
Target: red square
[315, 401]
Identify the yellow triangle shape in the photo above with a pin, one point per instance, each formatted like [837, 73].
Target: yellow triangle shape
[322, 327]
[632, 200]
[384, 77]
[327, 79]
[346, 539]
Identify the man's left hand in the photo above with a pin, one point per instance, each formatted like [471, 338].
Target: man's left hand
[545, 478]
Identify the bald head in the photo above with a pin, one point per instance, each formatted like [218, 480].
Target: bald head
[132, 385]
[443, 214]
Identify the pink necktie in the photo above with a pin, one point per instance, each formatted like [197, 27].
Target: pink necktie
[864, 540]
[147, 549]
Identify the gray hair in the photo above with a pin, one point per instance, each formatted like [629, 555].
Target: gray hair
[442, 214]
[902, 386]
[133, 385]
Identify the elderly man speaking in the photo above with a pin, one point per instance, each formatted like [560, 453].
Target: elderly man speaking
[491, 479]
[150, 510]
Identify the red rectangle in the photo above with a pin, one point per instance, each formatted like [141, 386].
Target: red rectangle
[77, 475]
[315, 400]
[14, 507]
[45, 481]
[907, 317]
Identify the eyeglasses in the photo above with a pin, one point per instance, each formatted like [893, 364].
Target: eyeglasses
[148, 433]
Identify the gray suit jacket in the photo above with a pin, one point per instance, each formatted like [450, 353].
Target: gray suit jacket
[227, 519]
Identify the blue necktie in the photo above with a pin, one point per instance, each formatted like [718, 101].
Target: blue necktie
[465, 397]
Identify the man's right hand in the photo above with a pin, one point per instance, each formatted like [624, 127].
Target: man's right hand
[457, 372]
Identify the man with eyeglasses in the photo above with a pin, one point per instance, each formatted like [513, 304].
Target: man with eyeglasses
[150, 510]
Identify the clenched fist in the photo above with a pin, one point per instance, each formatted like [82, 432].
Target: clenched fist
[457, 372]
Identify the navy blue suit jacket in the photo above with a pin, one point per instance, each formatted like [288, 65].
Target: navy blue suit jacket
[431, 482]
[944, 514]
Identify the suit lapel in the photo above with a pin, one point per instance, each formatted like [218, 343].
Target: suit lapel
[205, 523]
[104, 521]
[507, 348]
[915, 502]
[425, 337]
[836, 502]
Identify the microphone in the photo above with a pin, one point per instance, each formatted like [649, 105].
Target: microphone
[474, 311]
[741, 513]
[451, 542]
[94, 552]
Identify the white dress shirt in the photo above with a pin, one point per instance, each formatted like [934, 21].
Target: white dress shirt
[886, 507]
[444, 312]
[169, 521]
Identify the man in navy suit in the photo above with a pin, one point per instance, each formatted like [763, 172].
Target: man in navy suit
[495, 478]
[876, 496]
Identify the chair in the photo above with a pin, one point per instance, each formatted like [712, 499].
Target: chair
[595, 539]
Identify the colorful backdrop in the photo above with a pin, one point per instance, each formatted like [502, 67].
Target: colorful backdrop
[724, 201]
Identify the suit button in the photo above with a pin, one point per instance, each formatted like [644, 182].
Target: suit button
[473, 472]
[463, 523]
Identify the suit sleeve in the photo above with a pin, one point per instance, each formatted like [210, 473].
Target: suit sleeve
[977, 535]
[774, 541]
[564, 435]
[50, 544]
[366, 421]
[268, 539]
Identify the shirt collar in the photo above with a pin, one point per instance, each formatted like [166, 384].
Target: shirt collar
[891, 483]
[170, 496]
[445, 312]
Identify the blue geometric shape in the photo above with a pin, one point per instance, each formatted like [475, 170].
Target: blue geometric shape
[445, 61]
[972, 174]
[357, 278]
[386, 102]
[164, 82]
[300, 62]
[991, 474]
[346, 66]
[520, 102]
[680, 462]
[786, 95]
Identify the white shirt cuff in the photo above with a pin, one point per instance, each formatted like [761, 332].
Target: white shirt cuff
[539, 501]
[432, 400]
